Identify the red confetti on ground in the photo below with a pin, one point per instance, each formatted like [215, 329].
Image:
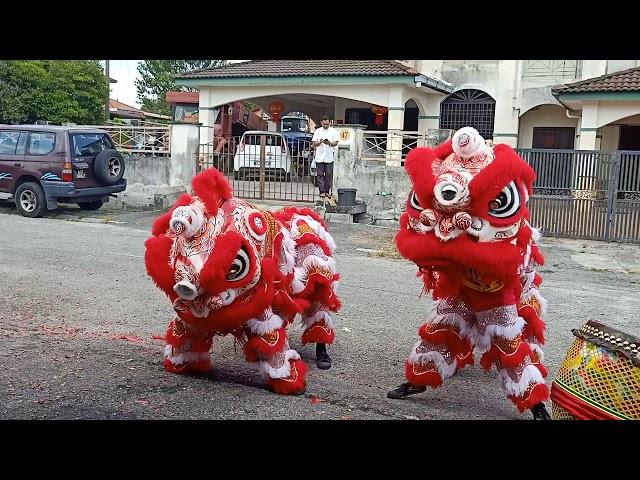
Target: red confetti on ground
[157, 337]
[59, 330]
[315, 400]
[128, 338]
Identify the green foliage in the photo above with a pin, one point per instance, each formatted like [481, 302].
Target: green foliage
[157, 77]
[54, 90]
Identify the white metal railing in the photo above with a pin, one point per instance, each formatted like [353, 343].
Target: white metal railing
[154, 140]
[552, 68]
[393, 146]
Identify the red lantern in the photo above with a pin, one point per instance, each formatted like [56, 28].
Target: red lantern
[379, 111]
[276, 108]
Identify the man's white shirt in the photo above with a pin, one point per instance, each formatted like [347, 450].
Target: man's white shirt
[325, 153]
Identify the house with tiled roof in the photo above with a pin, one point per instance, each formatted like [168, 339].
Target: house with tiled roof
[345, 90]
[131, 114]
[540, 104]
[608, 107]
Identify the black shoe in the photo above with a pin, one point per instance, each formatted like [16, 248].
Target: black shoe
[540, 412]
[404, 390]
[323, 360]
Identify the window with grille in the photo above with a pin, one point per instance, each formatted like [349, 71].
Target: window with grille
[469, 108]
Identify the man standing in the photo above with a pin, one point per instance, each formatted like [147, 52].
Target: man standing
[325, 141]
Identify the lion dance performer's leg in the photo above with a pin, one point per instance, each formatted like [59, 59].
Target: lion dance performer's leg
[267, 344]
[509, 337]
[186, 350]
[444, 347]
[315, 278]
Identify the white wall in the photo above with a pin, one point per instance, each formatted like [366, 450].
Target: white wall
[614, 112]
[618, 65]
[476, 74]
[543, 116]
[610, 136]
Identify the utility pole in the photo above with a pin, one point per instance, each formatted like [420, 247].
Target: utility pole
[106, 106]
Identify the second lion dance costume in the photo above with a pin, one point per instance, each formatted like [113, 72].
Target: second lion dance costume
[466, 228]
[230, 268]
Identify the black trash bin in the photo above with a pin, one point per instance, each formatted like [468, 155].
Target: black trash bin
[347, 197]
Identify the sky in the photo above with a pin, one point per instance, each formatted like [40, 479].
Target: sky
[126, 72]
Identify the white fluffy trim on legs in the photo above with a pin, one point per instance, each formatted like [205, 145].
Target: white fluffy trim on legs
[317, 228]
[530, 375]
[444, 369]
[288, 258]
[271, 322]
[500, 321]
[185, 357]
[320, 315]
[535, 293]
[301, 275]
[267, 371]
[536, 349]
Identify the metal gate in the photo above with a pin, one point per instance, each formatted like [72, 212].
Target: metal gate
[586, 194]
[263, 166]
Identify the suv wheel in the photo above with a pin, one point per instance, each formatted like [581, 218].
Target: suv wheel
[30, 200]
[91, 205]
[109, 167]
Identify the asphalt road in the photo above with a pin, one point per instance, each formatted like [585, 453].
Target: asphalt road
[80, 327]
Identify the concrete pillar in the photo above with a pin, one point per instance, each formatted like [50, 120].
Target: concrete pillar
[185, 138]
[395, 125]
[505, 125]
[588, 126]
[206, 116]
[430, 118]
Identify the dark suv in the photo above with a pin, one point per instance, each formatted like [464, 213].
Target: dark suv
[41, 165]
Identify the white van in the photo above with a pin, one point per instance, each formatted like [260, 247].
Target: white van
[277, 158]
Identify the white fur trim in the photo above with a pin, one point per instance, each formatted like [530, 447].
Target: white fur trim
[267, 371]
[534, 292]
[536, 348]
[320, 315]
[185, 357]
[260, 327]
[296, 285]
[301, 274]
[536, 234]
[444, 369]
[321, 232]
[530, 374]
[454, 319]
[317, 228]
[289, 252]
[483, 342]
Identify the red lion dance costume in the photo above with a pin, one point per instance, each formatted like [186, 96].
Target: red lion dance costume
[466, 227]
[228, 267]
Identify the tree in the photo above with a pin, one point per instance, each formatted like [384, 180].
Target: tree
[157, 77]
[52, 90]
